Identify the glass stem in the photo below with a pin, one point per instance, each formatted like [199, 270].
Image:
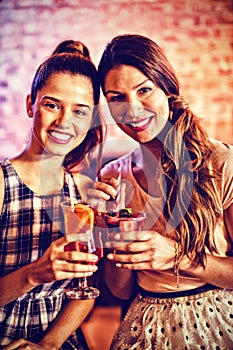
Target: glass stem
[82, 282]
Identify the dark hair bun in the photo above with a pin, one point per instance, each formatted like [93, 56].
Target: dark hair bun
[72, 46]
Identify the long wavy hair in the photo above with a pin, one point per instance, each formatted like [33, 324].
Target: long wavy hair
[73, 57]
[190, 205]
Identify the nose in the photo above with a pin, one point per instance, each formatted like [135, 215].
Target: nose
[64, 117]
[134, 107]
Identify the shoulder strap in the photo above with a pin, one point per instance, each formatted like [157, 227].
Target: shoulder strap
[72, 186]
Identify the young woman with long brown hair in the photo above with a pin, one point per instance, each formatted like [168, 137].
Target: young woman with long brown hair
[183, 180]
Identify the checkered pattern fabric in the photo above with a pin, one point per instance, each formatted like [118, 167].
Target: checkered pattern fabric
[28, 224]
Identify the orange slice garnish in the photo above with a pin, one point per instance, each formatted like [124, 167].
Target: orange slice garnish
[86, 216]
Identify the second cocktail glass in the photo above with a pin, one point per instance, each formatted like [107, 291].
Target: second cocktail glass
[123, 221]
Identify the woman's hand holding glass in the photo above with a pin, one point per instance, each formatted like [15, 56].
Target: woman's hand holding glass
[142, 250]
[57, 264]
[145, 250]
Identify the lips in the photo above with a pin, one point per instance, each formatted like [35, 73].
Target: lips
[140, 125]
[59, 137]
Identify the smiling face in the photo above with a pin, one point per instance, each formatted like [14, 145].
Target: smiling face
[138, 106]
[62, 114]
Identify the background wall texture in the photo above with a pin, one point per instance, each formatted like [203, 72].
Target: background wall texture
[195, 34]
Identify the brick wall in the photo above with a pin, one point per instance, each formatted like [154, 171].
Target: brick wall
[196, 35]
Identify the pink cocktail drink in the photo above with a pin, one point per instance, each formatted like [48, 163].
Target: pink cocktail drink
[123, 221]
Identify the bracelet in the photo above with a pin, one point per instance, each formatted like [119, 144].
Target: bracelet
[177, 257]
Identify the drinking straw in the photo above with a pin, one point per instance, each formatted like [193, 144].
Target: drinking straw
[70, 185]
[118, 197]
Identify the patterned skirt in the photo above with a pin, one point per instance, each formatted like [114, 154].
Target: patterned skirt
[198, 321]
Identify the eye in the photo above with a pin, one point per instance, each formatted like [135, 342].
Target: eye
[52, 106]
[81, 113]
[116, 98]
[144, 90]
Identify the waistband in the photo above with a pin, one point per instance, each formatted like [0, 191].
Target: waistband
[182, 293]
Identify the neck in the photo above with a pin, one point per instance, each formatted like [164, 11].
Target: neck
[147, 170]
[42, 173]
[151, 151]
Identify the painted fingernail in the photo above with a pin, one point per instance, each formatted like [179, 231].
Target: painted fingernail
[118, 265]
[110, 256]
[117, 236]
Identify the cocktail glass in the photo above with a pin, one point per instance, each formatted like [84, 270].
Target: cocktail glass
[123, 221]
[79, 230]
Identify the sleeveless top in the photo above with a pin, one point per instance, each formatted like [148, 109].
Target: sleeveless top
[138, 199]
[29, 222]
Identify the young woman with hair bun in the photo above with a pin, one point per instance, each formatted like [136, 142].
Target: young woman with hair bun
[35, 269]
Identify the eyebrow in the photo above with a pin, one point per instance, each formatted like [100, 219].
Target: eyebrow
[57, 100]
[134, 87]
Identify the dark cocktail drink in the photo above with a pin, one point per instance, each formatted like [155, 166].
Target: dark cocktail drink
[83, 237]
[80, 243]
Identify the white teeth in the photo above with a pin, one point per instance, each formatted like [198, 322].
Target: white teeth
[140, 123]
[62, 137]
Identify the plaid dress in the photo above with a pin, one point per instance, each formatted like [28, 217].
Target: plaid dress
[28, 224]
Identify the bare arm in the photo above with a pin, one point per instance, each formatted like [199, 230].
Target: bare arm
[54, 265]
[218, 270]
[153, 251]
[69, 319]
[151, 255]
